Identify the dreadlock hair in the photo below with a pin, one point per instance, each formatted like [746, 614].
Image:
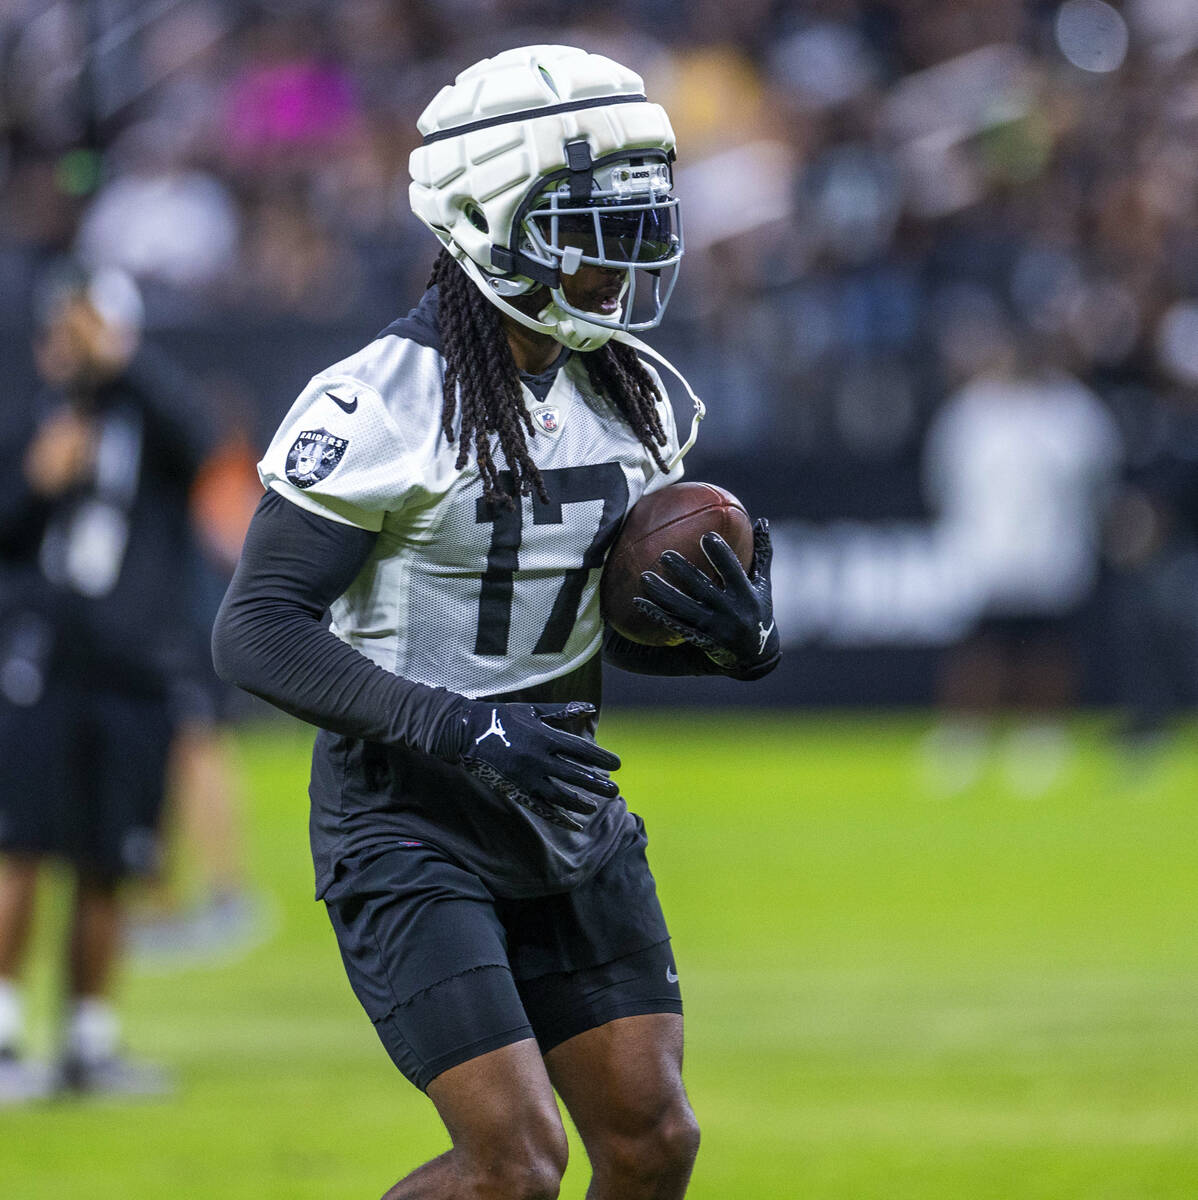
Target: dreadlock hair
[479, 365]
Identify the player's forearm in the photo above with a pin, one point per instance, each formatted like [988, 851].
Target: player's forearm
[285, 656]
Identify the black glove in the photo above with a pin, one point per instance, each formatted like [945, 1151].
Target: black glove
[732, 624]
[517, 751]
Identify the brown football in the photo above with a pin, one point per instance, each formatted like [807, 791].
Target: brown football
[674, 518]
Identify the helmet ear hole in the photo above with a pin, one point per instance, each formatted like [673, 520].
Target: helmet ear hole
[477, 218]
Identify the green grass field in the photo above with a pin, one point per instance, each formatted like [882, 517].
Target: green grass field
[890, 993]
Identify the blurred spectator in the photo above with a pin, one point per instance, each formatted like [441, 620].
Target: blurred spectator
[294, 264]
[158, 218]
[1152, 540]
[853, 171]
[1021, 464]
[93, 528]
[291, 102]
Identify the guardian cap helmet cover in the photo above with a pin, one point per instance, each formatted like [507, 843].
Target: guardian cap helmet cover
[543, 159]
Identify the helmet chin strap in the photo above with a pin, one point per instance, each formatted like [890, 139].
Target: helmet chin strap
[698, 412]
[577, 334]
[552, 321]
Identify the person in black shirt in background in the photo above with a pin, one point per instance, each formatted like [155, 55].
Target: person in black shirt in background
[93, 539]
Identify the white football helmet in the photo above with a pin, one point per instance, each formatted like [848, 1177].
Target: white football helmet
[544, 158]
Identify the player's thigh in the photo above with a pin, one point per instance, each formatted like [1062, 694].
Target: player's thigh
[624, 1040]
[599, 984]
[628, 1061]
[501, 1113]
[427, 958]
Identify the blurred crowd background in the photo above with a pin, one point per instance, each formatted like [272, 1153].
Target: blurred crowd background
[940, 295]
[941, 285]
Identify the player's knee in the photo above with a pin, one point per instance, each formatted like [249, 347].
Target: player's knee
[674, 1141]
[522, 1167]
[664, 1148]
[520, 1178]
[536, 1180]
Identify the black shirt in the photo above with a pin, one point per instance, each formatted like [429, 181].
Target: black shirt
[107, 561]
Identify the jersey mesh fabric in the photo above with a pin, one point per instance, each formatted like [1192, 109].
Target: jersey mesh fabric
[477, 598]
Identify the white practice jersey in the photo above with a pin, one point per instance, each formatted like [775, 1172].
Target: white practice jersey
[458, 593]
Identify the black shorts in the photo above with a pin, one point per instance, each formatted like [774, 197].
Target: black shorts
[446, 971]
[82, 775]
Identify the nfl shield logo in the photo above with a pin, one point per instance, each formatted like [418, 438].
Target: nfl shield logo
[547, 419]
[314, 455]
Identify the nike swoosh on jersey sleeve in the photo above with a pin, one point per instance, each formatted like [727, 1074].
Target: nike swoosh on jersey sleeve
[349, 463]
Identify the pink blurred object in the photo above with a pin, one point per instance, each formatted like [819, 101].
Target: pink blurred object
[291, 105]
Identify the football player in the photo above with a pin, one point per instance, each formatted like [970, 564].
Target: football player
[450, 492]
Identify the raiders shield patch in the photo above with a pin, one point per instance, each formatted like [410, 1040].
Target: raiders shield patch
[314, 456]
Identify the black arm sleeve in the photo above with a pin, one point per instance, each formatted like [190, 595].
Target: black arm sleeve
[270, 638]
